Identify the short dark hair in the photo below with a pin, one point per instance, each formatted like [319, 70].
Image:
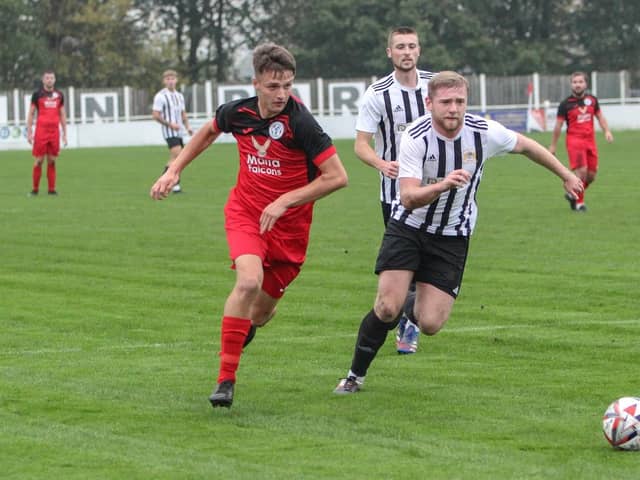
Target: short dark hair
[400, 31]
[272, 57]
[580, 74]
[446, 79]
[48, 70]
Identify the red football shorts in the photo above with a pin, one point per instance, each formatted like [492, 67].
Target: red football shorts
[582, 153]
[281, 257]
[46, 142]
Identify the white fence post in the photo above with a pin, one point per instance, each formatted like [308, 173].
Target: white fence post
[127, 103]
[208, 99]
[483, 93]
[194, 100]
[320, 96]
[16, 108]
[72, 106]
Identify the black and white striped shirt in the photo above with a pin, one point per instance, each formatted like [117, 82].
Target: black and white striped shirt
[387, 108]
[170, 105]
[430, 157]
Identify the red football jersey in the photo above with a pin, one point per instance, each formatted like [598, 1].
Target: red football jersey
[277, 155]
[48, 105]
[579, 114]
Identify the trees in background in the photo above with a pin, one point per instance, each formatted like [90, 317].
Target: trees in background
[116, 42]
[609, 33]
[93, 43]
[23, 51]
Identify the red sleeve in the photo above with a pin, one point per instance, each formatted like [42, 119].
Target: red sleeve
[328, 153]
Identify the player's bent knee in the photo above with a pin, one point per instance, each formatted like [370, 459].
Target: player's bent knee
[387, 311]
[431, 326]
[248, 287]
[430, 330]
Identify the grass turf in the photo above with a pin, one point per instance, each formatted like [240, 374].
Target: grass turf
[110, 307]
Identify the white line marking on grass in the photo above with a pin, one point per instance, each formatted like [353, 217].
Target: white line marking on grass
[176, 345]
[538, 325]
[138, 346]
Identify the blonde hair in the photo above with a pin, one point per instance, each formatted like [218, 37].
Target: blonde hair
[446, 79]
[169, 73]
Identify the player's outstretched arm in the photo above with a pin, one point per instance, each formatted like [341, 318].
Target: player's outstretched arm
[536, 152]
[200, 141]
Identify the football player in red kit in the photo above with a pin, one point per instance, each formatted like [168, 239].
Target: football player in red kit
[579, 110]
[286, 163]
[47, 104]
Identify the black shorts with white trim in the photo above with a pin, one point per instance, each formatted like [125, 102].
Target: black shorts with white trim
[438, 260]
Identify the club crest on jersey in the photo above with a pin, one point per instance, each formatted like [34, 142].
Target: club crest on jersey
[54, 95]
[276, 130]
[401, 127]
[587, 101]
[469, 156]
[261, 148]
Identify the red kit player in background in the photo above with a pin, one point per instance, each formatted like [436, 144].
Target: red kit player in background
[286, 163]
[579, 110]
[49, 104]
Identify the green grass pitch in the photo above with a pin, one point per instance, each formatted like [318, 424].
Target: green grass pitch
[110, 308]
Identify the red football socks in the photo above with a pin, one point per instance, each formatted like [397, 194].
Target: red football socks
[37, 173]
[234, 332]
[580, 199]
[51, 176]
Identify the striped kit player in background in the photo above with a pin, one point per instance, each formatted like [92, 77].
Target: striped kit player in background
[389, 105]
[169, 110]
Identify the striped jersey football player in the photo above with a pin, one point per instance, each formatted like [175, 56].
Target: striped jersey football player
[388, 106]
[442, 158]
[169, 110]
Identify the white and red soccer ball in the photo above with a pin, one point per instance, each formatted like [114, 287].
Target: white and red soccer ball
[621, 423]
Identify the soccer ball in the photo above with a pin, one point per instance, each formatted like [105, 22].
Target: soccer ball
[621, 423]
